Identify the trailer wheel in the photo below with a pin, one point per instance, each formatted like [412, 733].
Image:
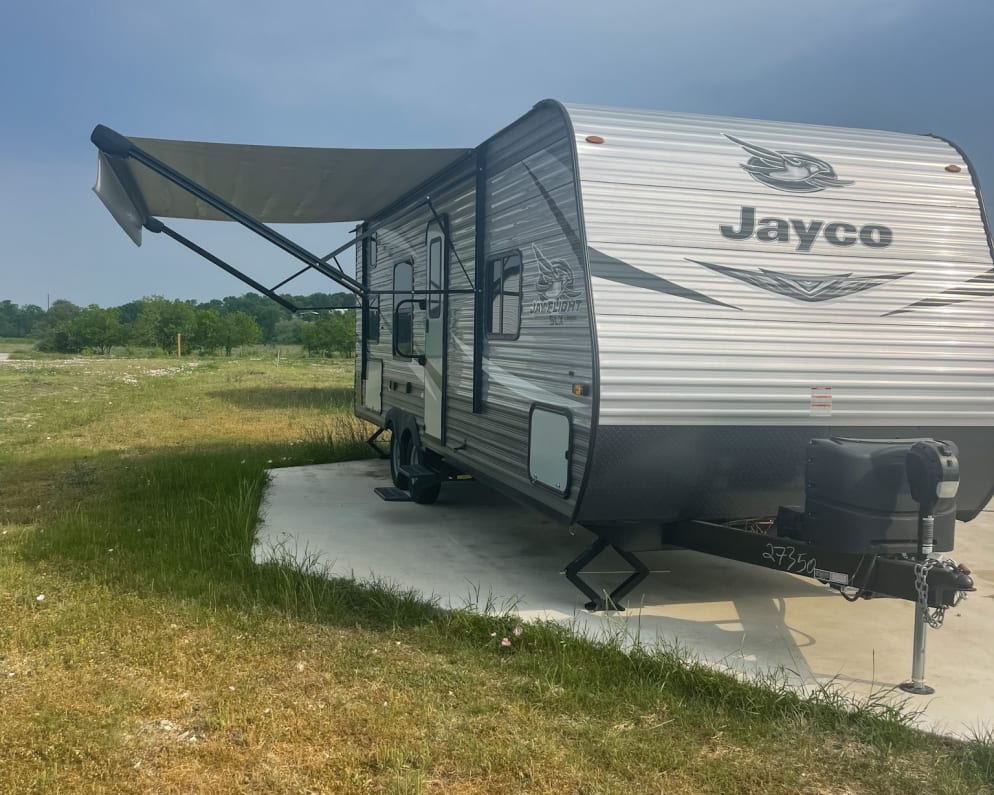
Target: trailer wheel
[422, 496]
[398, 456]
[405, 450]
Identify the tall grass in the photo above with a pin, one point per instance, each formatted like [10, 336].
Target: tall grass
[156, 543]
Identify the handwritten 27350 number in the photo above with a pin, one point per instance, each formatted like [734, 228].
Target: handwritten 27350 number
[789, 559]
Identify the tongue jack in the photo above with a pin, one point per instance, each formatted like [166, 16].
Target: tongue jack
[933, 474]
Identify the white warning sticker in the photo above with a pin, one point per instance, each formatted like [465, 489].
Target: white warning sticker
[831, 576]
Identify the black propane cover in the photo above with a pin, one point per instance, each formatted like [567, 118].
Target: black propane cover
[858, 499]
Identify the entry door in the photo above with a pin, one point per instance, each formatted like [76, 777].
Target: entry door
[436, 303]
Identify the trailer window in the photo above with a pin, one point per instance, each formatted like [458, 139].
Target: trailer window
[372, 250]
[435, 258]
[403, 289]
[504, 296]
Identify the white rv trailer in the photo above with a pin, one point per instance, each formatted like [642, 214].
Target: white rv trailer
[638, 321]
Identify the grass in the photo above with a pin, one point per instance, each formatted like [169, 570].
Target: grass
[16, 344]
[161, 659]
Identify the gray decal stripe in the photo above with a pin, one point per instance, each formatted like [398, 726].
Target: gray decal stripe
[522, 387]
[985, 289]
[568, 231]
[801, 287]
[612, 269]
[615, 270]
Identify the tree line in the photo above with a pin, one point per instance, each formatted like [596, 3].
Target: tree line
[206, 327]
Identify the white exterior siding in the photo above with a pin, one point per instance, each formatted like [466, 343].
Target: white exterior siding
[654, 196]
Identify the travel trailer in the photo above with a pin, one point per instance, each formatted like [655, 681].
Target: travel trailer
[725, 334]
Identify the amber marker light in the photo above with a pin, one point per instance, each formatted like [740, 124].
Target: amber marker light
[594, 139]
[952, 168]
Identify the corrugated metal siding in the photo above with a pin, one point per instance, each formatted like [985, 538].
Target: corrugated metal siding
[545, 360]
[401, 236]
[654, 195]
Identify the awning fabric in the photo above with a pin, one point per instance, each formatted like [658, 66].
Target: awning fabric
[274, 184]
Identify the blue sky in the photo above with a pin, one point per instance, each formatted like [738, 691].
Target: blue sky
[423, 73]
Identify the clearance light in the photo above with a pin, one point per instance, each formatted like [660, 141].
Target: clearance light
[581, 390]
[594, 139]
[953, 168]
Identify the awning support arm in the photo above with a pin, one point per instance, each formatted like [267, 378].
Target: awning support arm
[155, 225]
[346, 246]
[114, 144]
[290, 278]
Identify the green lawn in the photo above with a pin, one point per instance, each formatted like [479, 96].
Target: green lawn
[143, 651]
[16, 344]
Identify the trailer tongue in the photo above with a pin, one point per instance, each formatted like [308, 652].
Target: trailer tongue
[868, 529]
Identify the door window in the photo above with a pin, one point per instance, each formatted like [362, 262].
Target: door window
[436, 256]
[403, 322]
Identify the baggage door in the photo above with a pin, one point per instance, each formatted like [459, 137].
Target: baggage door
[436, 303]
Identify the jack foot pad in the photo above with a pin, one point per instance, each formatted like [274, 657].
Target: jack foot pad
[602, 606]
[917, 689]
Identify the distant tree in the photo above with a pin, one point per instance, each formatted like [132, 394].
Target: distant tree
[331, 335]
[215, 303]
[96, 328]
[155, 320]
[9, 315]
[266, 312]
[56, 340]
[289, 332]
[128, 313]
[236, 329]
[161, 320]
[60, 311]
[29, 316]
[342, 300]
[206, 334]
[333, 300]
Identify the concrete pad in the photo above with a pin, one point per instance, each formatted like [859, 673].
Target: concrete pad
[475, 548]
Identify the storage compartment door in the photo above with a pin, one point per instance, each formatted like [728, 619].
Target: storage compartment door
[550, 442]
[372, 387]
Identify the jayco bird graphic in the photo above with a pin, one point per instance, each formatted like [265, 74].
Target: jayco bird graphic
[555, 280]
[794, 172]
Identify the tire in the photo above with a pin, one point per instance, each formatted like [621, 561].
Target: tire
[403, 451]
[398, 456]
[423, 496]
[426, 496]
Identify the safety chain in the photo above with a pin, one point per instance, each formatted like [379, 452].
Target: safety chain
[935, 617]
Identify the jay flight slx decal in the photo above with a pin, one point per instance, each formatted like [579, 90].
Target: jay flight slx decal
[559, 297]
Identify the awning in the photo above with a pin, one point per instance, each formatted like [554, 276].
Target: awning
[141, 180]
[273, 184]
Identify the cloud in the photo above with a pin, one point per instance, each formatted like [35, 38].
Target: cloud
[427, 73]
